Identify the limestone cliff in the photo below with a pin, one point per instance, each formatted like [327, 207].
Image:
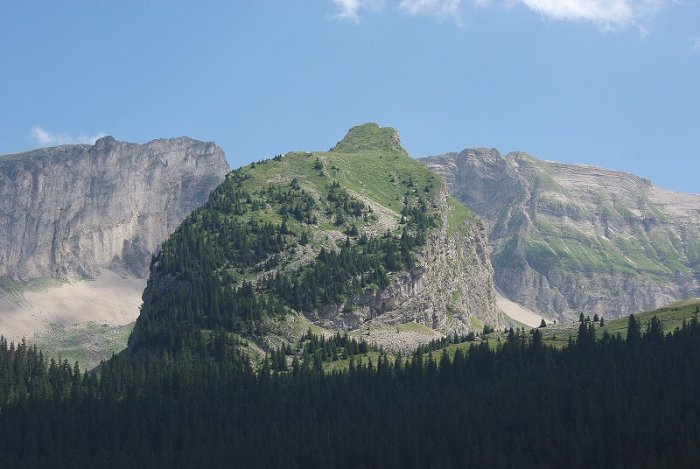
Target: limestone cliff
[69, 211]
[574, 238]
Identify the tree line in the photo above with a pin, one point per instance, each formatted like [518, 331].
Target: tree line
[598, 402]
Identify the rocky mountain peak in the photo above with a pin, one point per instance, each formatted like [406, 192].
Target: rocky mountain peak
[370, 137]
[105, 141]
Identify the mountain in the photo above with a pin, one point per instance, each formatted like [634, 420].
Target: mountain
[571, 238]
[361, 239]
[79, 225]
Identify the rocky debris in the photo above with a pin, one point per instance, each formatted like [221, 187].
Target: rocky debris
[108, 299]
[576, 238]
[397, 340]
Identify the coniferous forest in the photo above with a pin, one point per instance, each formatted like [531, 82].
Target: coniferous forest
[598, 402]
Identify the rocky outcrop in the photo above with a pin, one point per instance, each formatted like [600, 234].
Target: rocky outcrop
[71, 210]
[370, 137]
[450, 287]
[575, 238]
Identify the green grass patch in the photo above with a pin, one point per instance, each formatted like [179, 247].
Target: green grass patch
[477, 325]
[301, 325]
[414, 327]
[88, 344]
[15, 290]
[344, 363]
[671, 317]
[370, 328]
[459, 215]
[367, 137]
[552, 246]
[367, 164]
[383, 176]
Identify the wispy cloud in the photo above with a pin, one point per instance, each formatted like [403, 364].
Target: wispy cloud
[350, 9]
[46, 138]
[608, 14]
[439, 8]
[695, 43]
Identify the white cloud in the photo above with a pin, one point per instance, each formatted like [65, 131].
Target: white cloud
[350, 9]
[439, 8]
[609, 14]
[46, 138]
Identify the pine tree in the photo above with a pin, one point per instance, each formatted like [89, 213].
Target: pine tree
[633, 332]
[655, 332]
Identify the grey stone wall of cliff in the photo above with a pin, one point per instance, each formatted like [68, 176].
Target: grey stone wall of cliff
[575, 238]
[451, 284]
[69, 211]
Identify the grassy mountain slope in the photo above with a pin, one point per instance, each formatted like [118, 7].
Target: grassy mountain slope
[671, 316]
[357, 237]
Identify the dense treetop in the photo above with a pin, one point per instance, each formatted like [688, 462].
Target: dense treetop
[595, 403]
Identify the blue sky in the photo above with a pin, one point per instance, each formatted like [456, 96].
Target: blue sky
[614, 83]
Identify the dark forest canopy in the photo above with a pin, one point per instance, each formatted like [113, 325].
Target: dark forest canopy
[595, 403]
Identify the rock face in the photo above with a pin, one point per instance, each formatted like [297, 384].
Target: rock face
[72, 210]
[574, 238]
[92, 215]
[451, 285]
